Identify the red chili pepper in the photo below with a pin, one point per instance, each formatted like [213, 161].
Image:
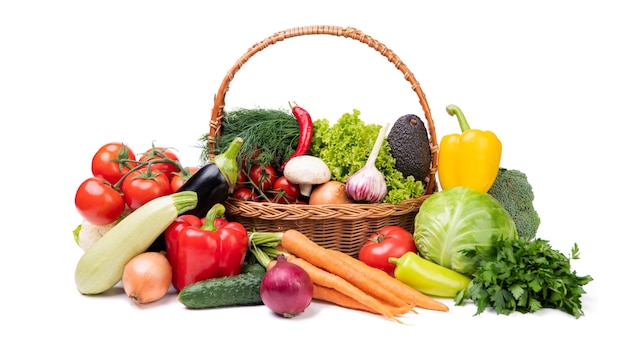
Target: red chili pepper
[306, 131]
[203, 249]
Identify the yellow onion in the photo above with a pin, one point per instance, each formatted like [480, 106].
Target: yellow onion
[147, 277]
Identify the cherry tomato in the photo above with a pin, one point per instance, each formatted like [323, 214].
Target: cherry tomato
[285, 191]
[177, 179]
[244, 194]
[242, 180]
[388, 242]
[112, 161]
[160, 153]
[263, 176]
[139, 187]
[98, 202]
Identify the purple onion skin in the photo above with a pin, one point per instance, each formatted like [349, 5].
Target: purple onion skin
[286, 289]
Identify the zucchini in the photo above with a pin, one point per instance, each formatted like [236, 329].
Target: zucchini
[101, 265]
[243, 289]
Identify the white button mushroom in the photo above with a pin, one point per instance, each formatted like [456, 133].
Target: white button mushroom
[306, 171]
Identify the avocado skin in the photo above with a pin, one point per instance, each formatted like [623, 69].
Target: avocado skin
[410, 146]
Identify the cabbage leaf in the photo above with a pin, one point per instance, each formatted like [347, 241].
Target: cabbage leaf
[459, 219]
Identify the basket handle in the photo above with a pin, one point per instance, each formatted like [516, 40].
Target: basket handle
[348, 32]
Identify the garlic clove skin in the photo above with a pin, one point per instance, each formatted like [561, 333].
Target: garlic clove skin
[367, 184]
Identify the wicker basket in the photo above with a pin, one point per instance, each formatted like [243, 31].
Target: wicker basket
[342, 227]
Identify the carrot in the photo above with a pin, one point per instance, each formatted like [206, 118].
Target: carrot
[380, 278]
[331, 295]
[327, 279]
[297, 243]
[372, 281]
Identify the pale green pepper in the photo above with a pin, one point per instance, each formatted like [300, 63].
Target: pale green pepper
[428, 277]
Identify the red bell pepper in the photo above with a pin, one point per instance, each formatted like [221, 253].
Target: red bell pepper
[388, 242]
[200, 249]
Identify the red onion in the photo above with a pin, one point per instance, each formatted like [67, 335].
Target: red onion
[286, 288]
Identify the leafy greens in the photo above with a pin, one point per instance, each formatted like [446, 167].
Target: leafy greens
[458, 219]
[345, 147]
[525, 276]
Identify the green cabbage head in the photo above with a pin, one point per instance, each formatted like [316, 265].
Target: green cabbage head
[459, 219]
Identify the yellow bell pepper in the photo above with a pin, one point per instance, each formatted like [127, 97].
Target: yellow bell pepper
[469, 159]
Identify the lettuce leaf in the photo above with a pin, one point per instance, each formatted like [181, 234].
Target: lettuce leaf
[345, 147]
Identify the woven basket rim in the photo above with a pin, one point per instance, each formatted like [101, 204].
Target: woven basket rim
[217, 113]
[356, 211]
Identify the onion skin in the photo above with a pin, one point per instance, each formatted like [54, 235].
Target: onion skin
[286, 288]
[147, 277]
[331, 192]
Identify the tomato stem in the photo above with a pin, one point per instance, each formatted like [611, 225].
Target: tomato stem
[147, 164]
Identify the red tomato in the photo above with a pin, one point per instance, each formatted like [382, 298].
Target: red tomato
[139, 187]
[244, 194]
[286, 192]
[98, 202]
[388, 242]
[179, 178]
[241, 180]
[263, 176]
[112, 161]
[160, 153]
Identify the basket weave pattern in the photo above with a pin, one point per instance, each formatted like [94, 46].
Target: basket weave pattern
[341, 227]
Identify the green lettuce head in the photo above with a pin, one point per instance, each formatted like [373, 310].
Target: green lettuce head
[458, 219]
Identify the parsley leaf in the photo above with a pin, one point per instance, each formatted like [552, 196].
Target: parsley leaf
[525, 275]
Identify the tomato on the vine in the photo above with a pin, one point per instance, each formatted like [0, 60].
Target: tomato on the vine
[388, 242]
[178, 179]
[244, 193]
[112, 161]
[242, 180]
[160, 153]
[263, 176]
[98, 202]
[141, 186]
[285, 191]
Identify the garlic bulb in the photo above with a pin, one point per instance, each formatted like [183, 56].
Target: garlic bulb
[368, 184]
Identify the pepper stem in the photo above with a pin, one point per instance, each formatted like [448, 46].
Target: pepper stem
[216, 211]
[454, 110]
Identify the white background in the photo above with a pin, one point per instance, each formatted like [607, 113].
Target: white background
[546, 76]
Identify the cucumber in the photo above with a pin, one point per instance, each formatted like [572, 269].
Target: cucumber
[101, 265]
[243, 289]
[253, 267]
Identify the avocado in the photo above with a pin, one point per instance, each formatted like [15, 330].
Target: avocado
[410, 146]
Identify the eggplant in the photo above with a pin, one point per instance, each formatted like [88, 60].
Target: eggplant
[210, 186]
[213, 183]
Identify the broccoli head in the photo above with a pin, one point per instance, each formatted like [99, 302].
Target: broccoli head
[512, 189]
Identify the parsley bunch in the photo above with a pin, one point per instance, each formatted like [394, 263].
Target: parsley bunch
[525, 275]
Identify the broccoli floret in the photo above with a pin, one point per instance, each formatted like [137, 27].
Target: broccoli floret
[512, 189]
